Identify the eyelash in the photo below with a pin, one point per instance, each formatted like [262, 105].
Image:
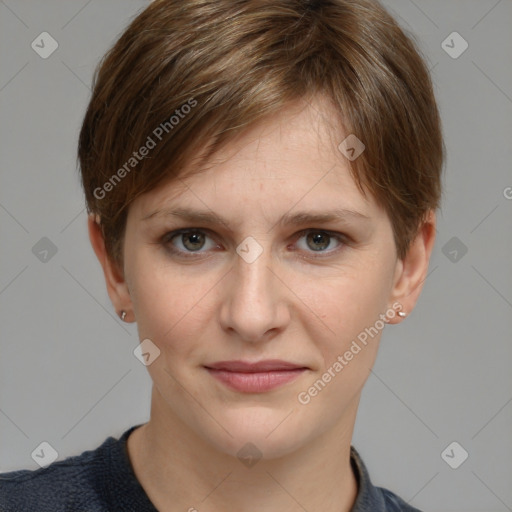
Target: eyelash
[168, 237]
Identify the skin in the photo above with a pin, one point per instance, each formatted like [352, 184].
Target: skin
[284, 305]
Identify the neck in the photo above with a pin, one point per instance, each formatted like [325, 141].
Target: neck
[181, 471]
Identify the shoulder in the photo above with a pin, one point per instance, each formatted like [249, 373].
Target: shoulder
[373, 498]
[72, 484]
[394, 503]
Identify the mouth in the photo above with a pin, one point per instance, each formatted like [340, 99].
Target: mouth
[256, 377]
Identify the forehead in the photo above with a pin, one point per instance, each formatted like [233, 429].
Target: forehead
[288, 158]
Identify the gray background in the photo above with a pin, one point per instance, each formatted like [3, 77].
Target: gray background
[67, 372]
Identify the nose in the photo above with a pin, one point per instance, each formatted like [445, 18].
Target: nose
[255, 303]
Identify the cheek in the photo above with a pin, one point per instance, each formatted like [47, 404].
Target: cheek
[350, 308]
[342, 308]
[169, 304]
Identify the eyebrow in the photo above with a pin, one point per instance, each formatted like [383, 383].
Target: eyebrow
[294, 219]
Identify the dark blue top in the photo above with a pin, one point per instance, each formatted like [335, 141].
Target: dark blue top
[103, 480]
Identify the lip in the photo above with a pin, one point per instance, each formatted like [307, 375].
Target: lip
[255, 377]
[267, 365]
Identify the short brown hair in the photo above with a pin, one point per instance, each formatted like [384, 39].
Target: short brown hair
[196, 72]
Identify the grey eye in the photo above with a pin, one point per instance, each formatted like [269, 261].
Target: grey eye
[319, 240]
[193, 241]
[189, 241]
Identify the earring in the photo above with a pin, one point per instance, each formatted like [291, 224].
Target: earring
[123, 315]
[402, 314]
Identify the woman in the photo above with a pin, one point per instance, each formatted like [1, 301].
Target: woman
[262, 180]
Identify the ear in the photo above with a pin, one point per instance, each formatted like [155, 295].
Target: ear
[411, 272]
[116, 285]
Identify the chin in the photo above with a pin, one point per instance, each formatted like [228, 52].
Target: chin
[260, 431]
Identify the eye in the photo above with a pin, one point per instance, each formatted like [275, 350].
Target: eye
[319, 241]
[190, 240]
[186, 242]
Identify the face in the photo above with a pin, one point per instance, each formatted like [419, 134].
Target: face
[264, 283]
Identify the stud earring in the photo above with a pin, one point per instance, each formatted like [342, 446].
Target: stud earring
[402, 314]
[123, 315]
